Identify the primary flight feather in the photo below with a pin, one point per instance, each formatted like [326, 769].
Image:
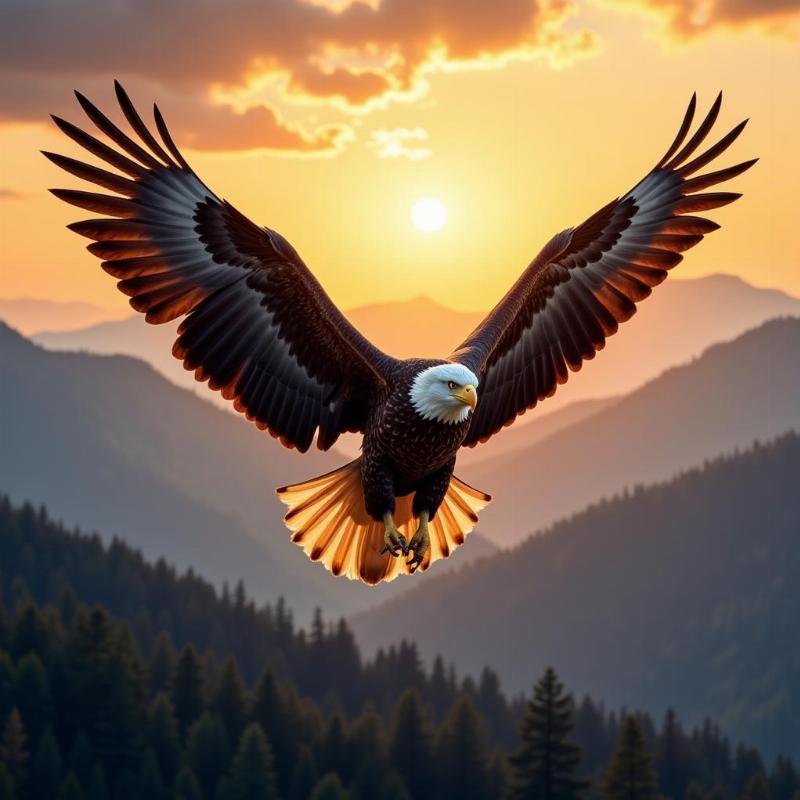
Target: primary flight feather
[260, 329]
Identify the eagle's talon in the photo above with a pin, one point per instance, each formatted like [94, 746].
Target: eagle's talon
[394, 542]
[419, 544]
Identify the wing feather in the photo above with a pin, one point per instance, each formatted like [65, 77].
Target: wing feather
[256, 323]
[587, 280]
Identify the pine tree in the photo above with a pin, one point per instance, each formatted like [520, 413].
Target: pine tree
[630, 775]
[186, 786]
[162, 736]
[332, 754]
[208, 751]
[368, 781]
[784, 780]
[30, 633]
[71, 789]
[329, 788]
[394, 788]
[492, 705]
[272, 710]
[98, 787]
[33, 697]
[229, 701]
[366, 743]
[461, 755]
[13, 749]
[149, 782]
[6, 784]
[546, 763]
[746, 764]
[162, 665]
[251, 774]
[82, 758]
[188, 696]
[671, 758]
[694, 791]
[105, 689]
[7, 689]
[757, 788]
[411, 746]
[499, 774]
[304, 776]
[126, 787]
[46, 767]
[439, 697]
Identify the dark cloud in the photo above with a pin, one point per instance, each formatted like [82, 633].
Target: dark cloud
[352, 57]
[192, 119]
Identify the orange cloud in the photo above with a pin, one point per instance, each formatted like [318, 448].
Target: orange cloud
[689, 18]
[194, 118]
[351, 55]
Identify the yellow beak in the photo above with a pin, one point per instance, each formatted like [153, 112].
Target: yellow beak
[467, 395]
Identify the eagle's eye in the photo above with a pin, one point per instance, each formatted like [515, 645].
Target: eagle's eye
[451, 385]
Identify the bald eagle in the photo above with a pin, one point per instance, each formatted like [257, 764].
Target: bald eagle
[259, 328]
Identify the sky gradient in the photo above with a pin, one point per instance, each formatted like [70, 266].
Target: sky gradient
[327, 121]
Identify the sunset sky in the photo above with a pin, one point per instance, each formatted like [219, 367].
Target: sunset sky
[328, 120]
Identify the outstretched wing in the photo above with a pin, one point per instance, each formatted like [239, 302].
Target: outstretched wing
[258, 326]
[587, 280]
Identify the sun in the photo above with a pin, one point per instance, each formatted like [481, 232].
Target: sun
[429, 214]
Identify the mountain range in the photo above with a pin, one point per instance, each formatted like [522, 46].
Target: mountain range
[684, 593]
[680, 320]
[733, 393]
[30, 316]
[108, 444]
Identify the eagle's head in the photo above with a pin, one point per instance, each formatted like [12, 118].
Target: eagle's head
[445, 392]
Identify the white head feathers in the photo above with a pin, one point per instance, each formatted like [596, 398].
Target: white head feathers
[432, 392]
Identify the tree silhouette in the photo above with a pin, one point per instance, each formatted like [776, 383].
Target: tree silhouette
[546, 763]
[329, 788]
[46, 767]
[82, 757]
[186, 786]
[252, 775]
[150, 782]
[162, 736]
[33, 695]
[757, 788]
[229, 700]
[98, 787]
[208, 751]
[162, 665]
[461, 755]
[671, 759]
[13, 748]
[188, 697]
[304, 776]
[71, 789]
[411, 747]
[6, 784]
[630, 775]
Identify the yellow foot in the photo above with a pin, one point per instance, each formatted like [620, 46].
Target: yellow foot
[393, 541]
[419, 543]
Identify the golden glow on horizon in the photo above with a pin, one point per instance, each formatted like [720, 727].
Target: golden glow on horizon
[429, 214]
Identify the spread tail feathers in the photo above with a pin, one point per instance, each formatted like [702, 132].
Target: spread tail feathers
[328, 520]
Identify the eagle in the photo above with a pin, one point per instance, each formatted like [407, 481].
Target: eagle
[259, 328]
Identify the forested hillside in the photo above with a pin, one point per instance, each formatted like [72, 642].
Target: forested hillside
[685, 593]
[122, 680]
